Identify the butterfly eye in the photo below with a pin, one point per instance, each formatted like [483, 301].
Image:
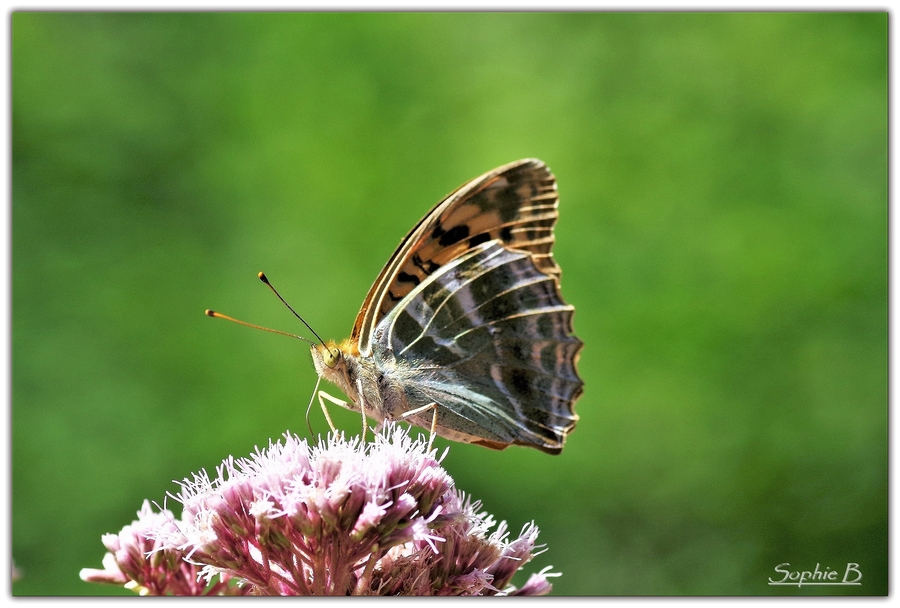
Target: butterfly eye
[331, 357]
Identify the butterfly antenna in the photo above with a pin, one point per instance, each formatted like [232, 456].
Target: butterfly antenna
[265, 279]
[218, 315]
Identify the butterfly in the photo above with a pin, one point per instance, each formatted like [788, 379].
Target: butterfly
[465, 331]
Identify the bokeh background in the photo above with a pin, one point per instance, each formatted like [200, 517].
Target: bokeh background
[723, 237]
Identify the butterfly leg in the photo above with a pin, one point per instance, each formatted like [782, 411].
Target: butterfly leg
[434, 408]
[325, 396]
[362, 408]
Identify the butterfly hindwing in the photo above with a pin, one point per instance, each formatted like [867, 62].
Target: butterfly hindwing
[490, 339]
[515, 204]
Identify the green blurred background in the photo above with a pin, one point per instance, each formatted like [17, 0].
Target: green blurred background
[723, 237]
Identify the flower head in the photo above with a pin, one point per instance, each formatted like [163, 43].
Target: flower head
[335, 519]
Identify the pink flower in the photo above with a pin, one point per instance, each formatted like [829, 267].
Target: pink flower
[341, 518]
[136, 561]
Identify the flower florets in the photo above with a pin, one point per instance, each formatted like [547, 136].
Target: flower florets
[340, 518]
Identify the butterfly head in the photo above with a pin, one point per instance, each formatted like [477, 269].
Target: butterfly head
[331, 361]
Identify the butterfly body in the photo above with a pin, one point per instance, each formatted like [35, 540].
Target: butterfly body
[465, 329]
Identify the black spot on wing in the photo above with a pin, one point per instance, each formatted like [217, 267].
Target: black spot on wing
[445, 238]
[427, 266]
[478, 239]
[403, 277]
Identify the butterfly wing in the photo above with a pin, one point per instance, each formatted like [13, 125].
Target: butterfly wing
[489, 338]
[515, 204]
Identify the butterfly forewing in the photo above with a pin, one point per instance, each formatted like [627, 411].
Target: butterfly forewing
[515, 204]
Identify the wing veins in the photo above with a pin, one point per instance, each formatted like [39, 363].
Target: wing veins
[534, 311]
[450, 294]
